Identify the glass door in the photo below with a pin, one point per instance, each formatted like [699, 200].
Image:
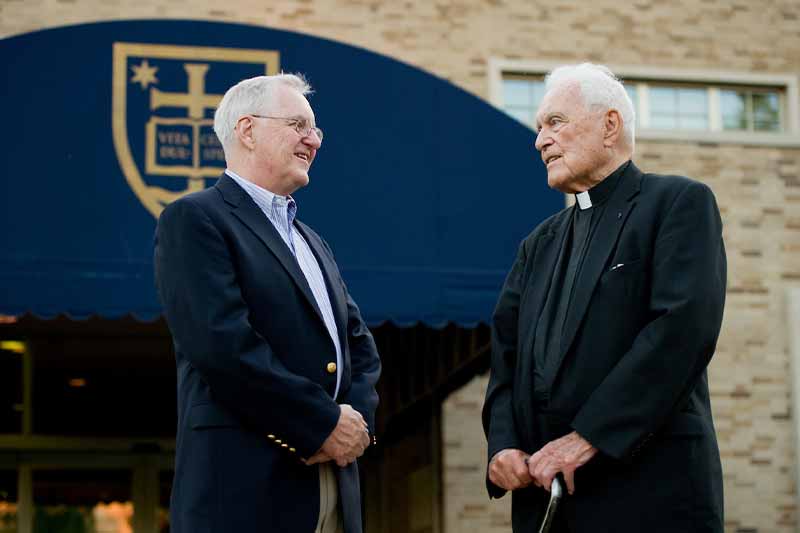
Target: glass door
[77, 500]
[8, 501]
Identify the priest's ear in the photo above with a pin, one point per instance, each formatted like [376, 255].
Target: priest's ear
[612, 128]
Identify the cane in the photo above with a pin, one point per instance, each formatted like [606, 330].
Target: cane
[552, 505]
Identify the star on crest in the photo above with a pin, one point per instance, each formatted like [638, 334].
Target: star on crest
[144, 74]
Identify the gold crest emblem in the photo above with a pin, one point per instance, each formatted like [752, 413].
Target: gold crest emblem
[164, 98]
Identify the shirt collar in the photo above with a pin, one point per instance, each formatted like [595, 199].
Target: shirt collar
[272, 198]
[600, 192]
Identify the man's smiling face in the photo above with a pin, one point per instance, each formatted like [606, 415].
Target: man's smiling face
[284, 154]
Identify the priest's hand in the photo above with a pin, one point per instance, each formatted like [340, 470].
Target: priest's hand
[563, 455]
[508, 469]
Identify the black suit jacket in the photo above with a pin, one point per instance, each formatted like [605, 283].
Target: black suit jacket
[631, 376]
[254, 393]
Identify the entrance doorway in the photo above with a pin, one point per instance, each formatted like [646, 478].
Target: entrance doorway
[88, 417]
[80, 491]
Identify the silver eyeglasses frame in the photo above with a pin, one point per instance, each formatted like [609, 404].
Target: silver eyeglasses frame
[300, 125]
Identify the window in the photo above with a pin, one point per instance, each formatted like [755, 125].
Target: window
[670, 107]
[8, 501]
[633, 93]
[79, 393]
[678, 108]
[521, 97]
[739, 108]
[11, 362]
[750, 110]
[86, 500]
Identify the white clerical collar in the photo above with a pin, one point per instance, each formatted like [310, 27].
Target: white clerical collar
[584, 200]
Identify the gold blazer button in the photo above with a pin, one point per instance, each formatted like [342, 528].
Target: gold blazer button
[331, 368]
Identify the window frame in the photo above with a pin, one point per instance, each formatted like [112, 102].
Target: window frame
[785, 84]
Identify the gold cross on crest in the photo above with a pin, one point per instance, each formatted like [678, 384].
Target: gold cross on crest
[176, 150]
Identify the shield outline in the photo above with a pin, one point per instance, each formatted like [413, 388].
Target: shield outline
[123, 50]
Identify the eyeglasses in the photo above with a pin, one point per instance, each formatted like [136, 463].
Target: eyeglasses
[300, 125]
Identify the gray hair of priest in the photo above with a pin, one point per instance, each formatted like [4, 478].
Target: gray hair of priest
[600, 89]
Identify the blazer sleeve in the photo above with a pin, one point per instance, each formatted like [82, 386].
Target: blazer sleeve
[208, 319]
[365, 366]
[669, 355]
[365, 363]
[497, 414]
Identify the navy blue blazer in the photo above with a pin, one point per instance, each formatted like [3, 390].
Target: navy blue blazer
[631, 374]
[255, 394]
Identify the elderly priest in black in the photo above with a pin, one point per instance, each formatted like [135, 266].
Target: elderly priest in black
[603, 331]
[276, 369]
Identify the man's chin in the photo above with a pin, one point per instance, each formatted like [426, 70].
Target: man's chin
[558, 183]
[302, 181]
[295, 182]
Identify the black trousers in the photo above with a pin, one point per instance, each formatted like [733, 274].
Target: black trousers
[560, 523]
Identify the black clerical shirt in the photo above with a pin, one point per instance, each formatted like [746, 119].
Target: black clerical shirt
[547, 345]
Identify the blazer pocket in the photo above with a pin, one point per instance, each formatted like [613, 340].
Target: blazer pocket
[622, 268]
[208, 415]
[685, 424]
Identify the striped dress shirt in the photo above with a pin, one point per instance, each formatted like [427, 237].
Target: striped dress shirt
[281, 211]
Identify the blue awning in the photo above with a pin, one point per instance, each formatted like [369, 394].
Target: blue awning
[422, 190]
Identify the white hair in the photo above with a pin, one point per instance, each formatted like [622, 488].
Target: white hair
[251, 96]
[600, 88]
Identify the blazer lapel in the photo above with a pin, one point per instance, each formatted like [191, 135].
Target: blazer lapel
[545, 261]
[603, 242]
[245, 209]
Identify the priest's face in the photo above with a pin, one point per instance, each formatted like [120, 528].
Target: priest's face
[570, 139]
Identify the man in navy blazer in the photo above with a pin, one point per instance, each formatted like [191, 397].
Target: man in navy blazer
[276, 368]
[603, 332]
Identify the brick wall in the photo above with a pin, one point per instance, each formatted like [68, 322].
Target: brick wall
[758, 189]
